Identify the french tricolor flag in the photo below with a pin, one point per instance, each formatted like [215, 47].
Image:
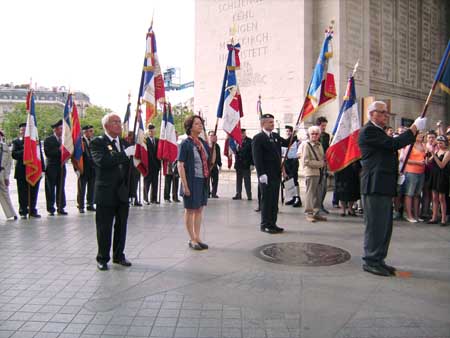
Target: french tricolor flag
[31, 154]
[140, 159]
[344, 149]
[230, 103]
[167, 146]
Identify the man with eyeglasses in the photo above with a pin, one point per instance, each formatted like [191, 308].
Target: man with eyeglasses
[379, 182]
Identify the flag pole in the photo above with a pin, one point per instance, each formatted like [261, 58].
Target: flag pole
[427, 102]
[300, 115]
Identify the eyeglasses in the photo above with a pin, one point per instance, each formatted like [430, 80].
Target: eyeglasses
[114, 121]
[382, 111]
[314, 133]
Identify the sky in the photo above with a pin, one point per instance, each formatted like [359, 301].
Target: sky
[94, 46]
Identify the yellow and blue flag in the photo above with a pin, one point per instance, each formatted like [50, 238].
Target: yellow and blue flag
[443, 73]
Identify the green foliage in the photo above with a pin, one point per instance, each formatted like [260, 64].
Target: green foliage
[179, 115]
[47, 115]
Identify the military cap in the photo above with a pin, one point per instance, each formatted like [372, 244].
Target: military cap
[243, 130]
[151, 126]
[267, 116]
[57, 124]
[23, 124]
[86, 127]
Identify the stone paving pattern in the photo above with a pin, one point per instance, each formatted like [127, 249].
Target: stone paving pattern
[50, 286]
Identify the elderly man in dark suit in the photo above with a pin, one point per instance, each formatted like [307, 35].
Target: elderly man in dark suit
[20, 176]
[154, 167]
[110, 155]
[379, 183]
[266, 150]
[86, 179]
[244, 161]
[55, 174]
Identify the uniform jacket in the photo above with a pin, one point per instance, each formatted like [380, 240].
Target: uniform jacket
[244, 157]
[52, 149]
[379, 159]
[17, 154]
[154, 165]
[88, 164]
[267, 154]
[111, 172]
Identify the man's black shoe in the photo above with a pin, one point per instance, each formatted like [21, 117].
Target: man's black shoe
[376, 270]
[215, 196]
[167, 200]
[176, 200]
[62, 212]
[102, 266]
[51, 213]
[237, 197]
[270, 230]
[154, 202]
[36, 215]
[291, 202]
[137, 204]
[81, 211]
[23, 216]
[389, 268]
[298, 203]
[249, 198]
[91, 208]
[123, 262]
[258, 209]
[278, 229]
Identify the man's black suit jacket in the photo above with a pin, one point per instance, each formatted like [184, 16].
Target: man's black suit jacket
[267, 154]
[379, 159]
[154, 165]
[52, 150]
[17, 154]
[88, 164]
[111, 171]
[244, 158]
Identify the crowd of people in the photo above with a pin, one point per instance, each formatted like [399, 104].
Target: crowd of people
[400, 174]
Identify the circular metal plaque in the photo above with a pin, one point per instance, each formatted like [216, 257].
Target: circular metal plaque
[302, 254]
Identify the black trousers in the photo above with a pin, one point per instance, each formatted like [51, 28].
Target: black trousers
[378, 221]
[104, 218]
[243, 174]
[151, 185]
[55, 180]
[214, 178]
[171, 182]
[22, 190]
[291, 167]
[83, 183]
[269, 202]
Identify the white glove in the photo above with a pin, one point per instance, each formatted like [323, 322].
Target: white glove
[420, 123]
[263, 179]
[130, 151]
[401, 179]
[252, 167]
[77, 173]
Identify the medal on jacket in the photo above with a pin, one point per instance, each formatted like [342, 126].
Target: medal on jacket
[110, 148]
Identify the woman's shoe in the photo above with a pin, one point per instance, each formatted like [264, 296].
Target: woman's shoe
[444, 224]
[203, 245]
[432, 222]
[343, 214]
[195, 246]
[352, 213]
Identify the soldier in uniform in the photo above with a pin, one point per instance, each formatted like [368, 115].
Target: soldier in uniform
[244, 160]
[154, 166]
[86, 179]
[5, 170]
[25, 207]
[55, 175]
[216, 164]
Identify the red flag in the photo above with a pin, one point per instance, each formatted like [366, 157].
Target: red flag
[140, 158]
[31, 153]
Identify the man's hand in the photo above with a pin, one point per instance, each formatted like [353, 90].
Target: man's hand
[130, 151]
[420, 123]
[77, 173]
[263, 179]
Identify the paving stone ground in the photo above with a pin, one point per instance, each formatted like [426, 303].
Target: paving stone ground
[50, 287]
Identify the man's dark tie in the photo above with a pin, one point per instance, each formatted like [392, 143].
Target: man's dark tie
[116, 145]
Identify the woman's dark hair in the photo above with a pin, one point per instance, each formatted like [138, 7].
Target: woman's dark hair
[189, 122]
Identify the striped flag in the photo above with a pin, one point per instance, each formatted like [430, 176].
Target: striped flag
[151, 89]
[126, 121]
[344, 149]
[140, 158]
[31, 153]
[322, 88]
[230, 103]
[67, 140]
[77, 156]
[167, 145]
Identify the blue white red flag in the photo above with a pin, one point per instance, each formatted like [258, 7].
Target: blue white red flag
[167, 146]
[322, 88]
[67, 140]
[31, 152]
[77, 156]
[151, 89]
[229, 149]
[344, 148]
[126, 121]
[443, 73]
[230, 103]
[140, 158]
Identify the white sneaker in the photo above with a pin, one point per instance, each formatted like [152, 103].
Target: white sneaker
[410, 220]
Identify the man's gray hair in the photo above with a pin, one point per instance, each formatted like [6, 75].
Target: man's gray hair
[313, 128]
[105, 119]
[373, 106]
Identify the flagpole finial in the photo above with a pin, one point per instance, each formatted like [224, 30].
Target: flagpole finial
[330, 29]
[355, 68]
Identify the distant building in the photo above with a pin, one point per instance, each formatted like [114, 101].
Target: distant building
[11, 95]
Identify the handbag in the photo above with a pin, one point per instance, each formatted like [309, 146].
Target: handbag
[290, 190]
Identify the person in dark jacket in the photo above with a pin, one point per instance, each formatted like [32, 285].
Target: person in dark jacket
[154, 167]
[110, 155]
[379, 175]
[266, 150]
[55, 174]
[25, 207]
[86, 179]
[242, 164]
[216, 163]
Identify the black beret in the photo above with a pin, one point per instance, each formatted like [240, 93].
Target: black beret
[86, 127]
[23, 124]
[243, 130]
[57, 124]
[151, 126]
[289, 127]
[267, 116]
